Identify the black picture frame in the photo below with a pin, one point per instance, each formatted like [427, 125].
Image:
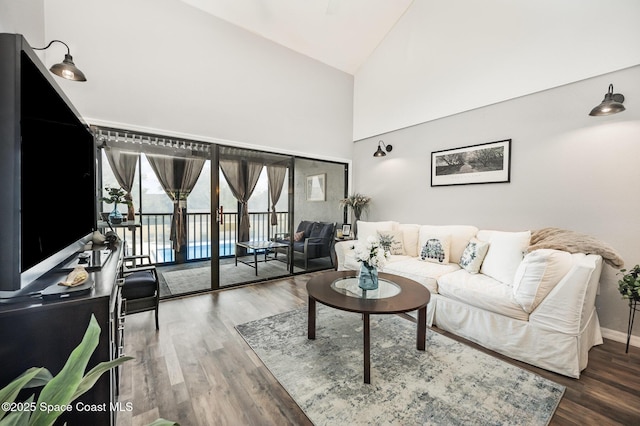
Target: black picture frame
[475, 164]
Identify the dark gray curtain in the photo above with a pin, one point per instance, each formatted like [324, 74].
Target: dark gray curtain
[177, 176]
[242, 177]
[123, 164]
[276, 175]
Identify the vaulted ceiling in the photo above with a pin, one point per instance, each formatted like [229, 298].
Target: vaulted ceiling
[339, 33]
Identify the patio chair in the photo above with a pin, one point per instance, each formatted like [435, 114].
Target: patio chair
[141, 289]
[312, 240]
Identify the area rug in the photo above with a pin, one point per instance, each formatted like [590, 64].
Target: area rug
[448, 384]
[194, 279]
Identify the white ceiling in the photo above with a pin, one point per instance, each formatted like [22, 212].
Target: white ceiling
[339, 33]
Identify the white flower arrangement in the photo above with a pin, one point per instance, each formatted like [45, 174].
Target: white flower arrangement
[371, 252]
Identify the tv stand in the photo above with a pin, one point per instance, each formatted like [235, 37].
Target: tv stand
[39, 332]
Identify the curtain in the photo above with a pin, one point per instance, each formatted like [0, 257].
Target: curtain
[275, 175]
[177, 176]
[123, 164]
[242, 177]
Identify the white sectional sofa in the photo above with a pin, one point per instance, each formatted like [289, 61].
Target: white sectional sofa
[536, 307]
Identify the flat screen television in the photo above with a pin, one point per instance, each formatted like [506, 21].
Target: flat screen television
[57, 175]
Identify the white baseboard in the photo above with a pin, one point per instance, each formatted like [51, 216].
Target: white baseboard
[620, 337]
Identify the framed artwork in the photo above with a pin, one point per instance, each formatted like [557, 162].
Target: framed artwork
[316, 187]
[483, 163]
[346, 229]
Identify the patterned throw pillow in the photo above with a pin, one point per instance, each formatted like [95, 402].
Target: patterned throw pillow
[298, 236]
[473, 255]
[436, 249]
[392, 242]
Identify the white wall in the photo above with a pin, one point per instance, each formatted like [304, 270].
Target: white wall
[445, 57]
[166, 67]
[568, 170]
[25, 17]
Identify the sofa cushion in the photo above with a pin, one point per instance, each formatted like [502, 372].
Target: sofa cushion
[436, 249]
[410, 236]
[473, 255]
[506, 251]
[370, 229]
[350, 262]
[305, 226]
[460, 236]
[538, 274]
[392, 241]
[481, 291]
[426, 273]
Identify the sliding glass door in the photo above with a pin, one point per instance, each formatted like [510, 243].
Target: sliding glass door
[253, 212]
[213, 216]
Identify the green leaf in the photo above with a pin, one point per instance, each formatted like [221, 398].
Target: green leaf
[92, 376]
[31, 378]
[163, 422]
[18, 418]
[63, 386]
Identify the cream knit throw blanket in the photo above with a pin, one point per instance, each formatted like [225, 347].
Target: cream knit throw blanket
[573, 242]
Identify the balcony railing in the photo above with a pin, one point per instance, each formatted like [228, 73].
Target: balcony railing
[153, 237]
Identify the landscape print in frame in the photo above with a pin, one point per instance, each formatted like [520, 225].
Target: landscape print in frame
[483, 163]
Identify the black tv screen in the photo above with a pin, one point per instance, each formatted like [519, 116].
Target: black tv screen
[57, 172]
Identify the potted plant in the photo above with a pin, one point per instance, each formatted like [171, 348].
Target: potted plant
[359, 204]
[371, 256]
[629, 288]
[60, 391]
[115, 196]
[629, 285]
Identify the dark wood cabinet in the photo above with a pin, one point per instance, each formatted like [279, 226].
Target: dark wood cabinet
[43, 334]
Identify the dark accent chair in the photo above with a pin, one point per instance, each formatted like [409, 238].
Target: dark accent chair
[315, 241]
[141, 289]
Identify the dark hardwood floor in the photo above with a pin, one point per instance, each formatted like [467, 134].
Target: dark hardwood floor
[197, 370]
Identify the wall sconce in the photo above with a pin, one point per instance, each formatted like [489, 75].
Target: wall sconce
[611, 104]
[66, 69]
[380, 152]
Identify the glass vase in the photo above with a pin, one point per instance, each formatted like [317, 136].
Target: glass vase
[368, 278]
[115, 216]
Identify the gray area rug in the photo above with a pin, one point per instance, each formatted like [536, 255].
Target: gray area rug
[448, 384]
[195, 279]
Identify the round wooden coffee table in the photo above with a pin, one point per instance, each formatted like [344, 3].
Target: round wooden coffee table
[395, 295]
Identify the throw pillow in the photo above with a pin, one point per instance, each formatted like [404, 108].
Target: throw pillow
[436, 249]
[538, 274]
[298, 236]
[392, 242]
[370, 229]
[473, 255]
[505, 253]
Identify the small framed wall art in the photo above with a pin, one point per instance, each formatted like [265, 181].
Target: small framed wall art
[483, 163]
[316, 187]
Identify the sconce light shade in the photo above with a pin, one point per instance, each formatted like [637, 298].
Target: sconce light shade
[66, 69]
[380, 152]
[611, 104]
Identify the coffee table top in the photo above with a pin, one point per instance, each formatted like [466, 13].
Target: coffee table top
[396, 295]
[260, 245]
[349, 287]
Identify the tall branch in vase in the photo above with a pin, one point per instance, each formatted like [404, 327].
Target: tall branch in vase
[359, 204]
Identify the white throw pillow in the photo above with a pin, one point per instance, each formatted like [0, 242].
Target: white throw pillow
[392, 241]
[538, 274]
[460, 236]
[436, 249]
[410, 238]
[370, 229]
[473, 255]
[506, 251]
